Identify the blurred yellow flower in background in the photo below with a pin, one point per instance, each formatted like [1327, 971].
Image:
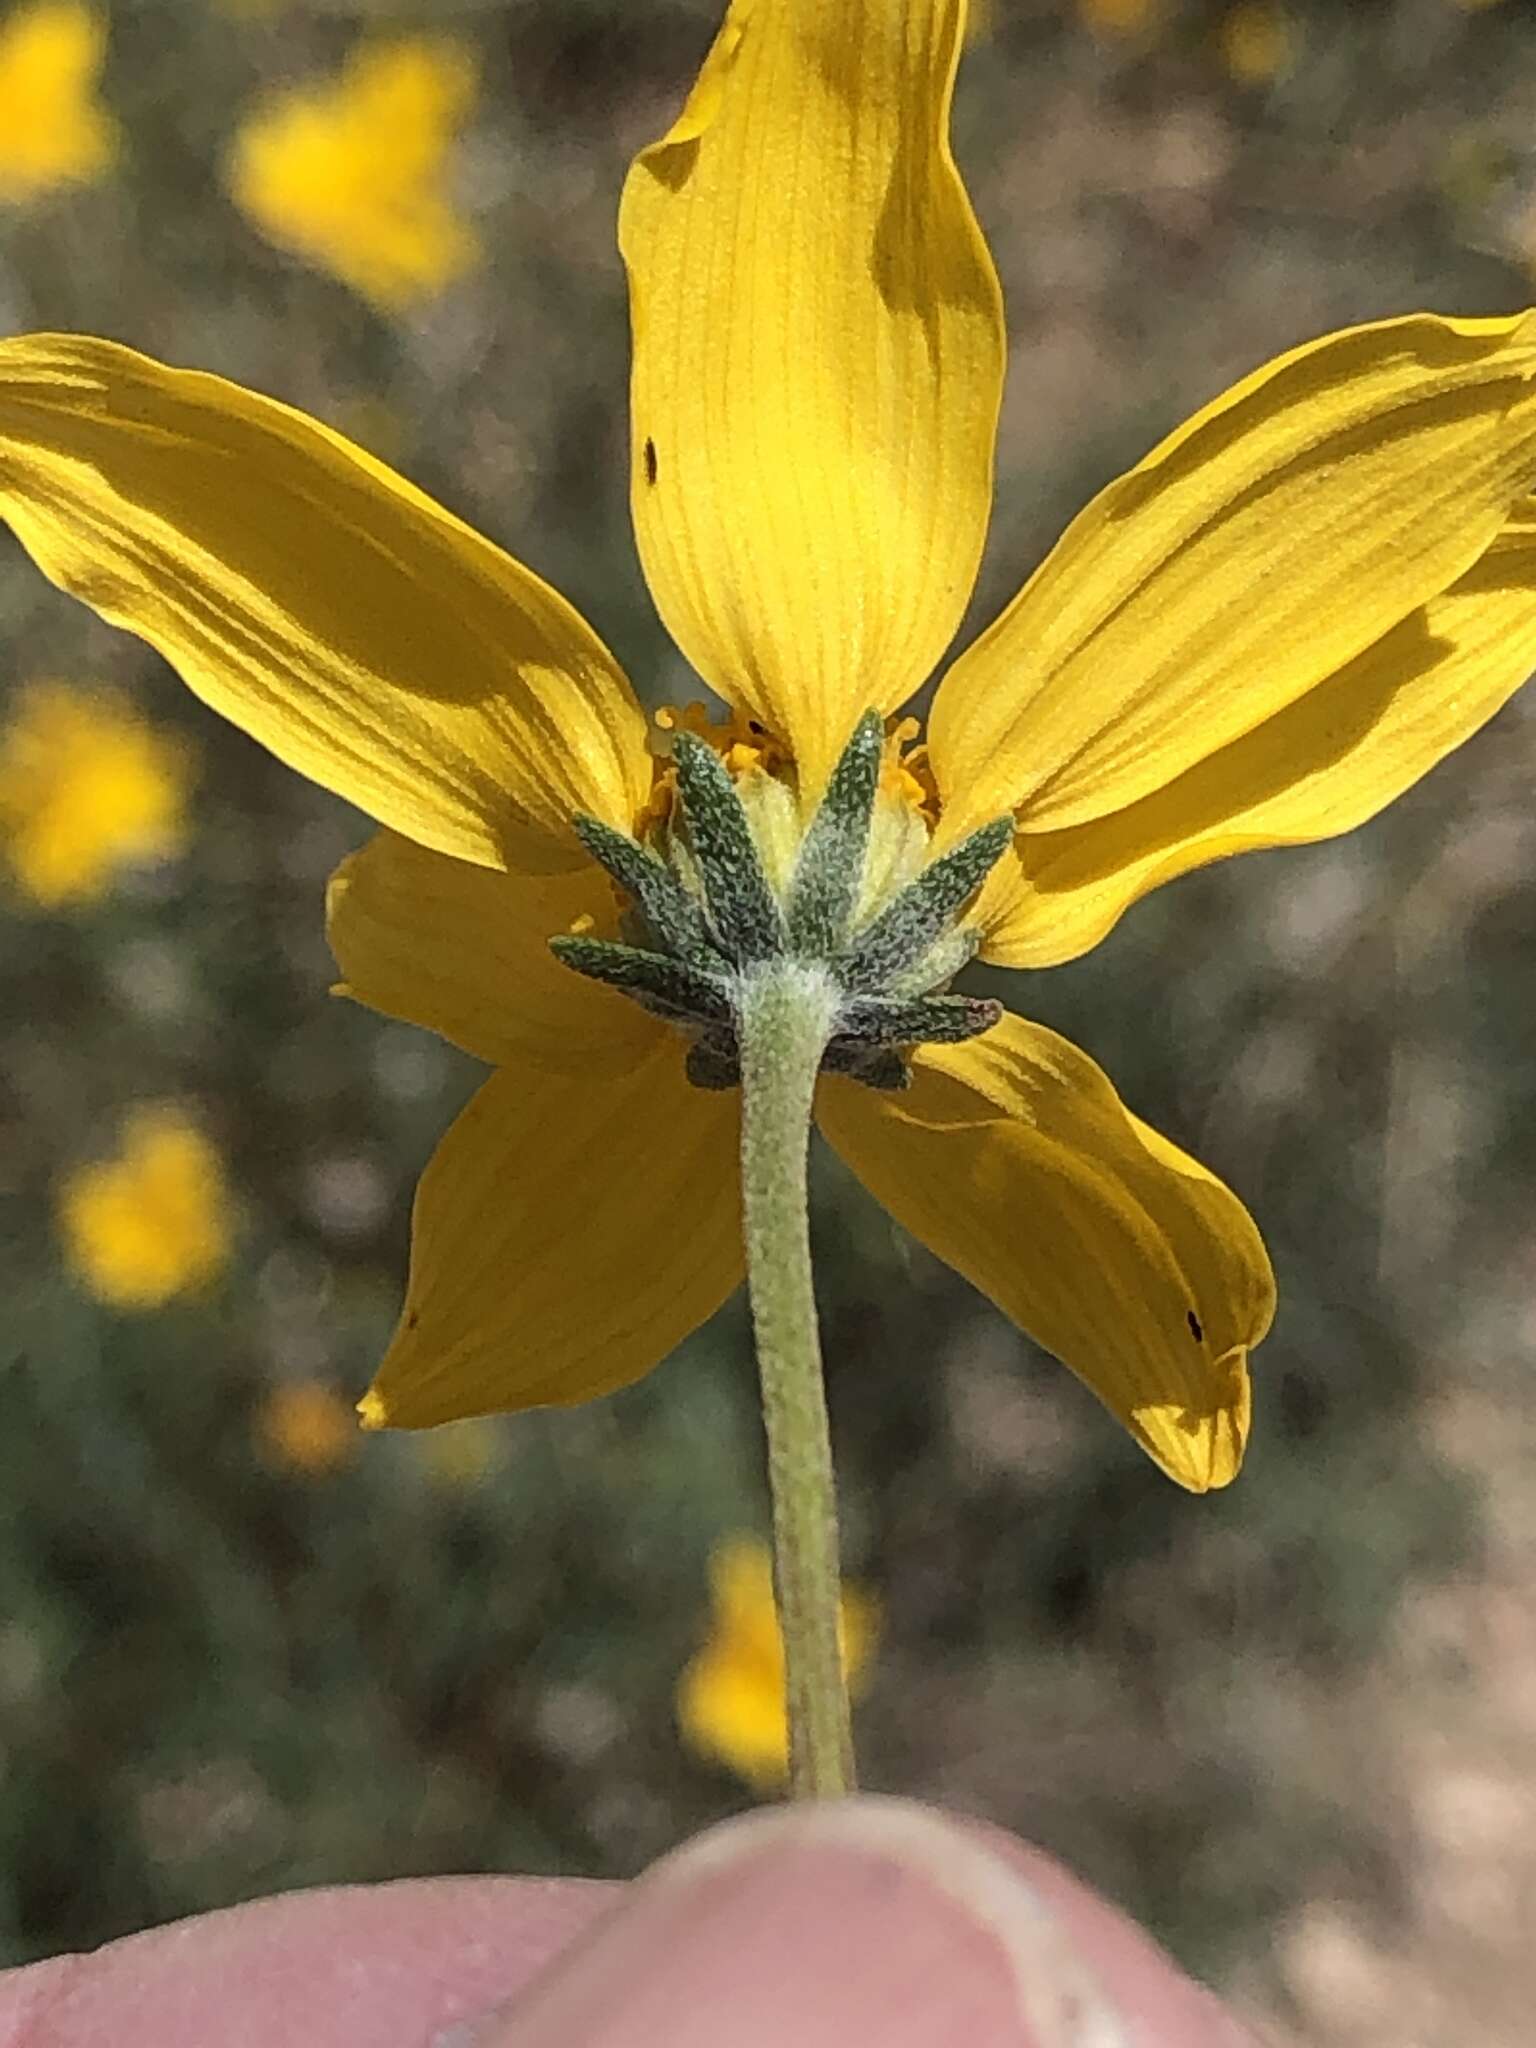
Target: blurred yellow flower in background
[1257, 41]
[730, 1697]
[351, 174]
[152, 1222]
[52, 131]
[86, 787]
[1119, 17]
[307, 1427]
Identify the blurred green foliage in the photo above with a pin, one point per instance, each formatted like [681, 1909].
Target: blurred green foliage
[219, 1675]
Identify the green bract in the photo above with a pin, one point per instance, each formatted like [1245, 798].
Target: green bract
[705, 919]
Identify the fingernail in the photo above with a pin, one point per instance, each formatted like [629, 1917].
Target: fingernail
[866, 1919]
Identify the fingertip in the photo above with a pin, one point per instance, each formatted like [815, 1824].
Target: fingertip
[25, 1995]
[869, 1919]
[1137, 1972]
[368, 1966]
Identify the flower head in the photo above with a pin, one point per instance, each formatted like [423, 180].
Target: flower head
[1282, 617]
[154, 1220]
[730, 1697]
[53, 133]
[86, 788]
[351, 174]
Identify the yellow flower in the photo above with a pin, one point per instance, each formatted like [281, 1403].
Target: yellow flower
[730, 1697]
[1257, 42]
[52, 131]
[351, 174]
[86, 788]
[152, 1222]
[306, 1426]
[1282, 617]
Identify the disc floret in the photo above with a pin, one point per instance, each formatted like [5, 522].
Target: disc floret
[711, 905]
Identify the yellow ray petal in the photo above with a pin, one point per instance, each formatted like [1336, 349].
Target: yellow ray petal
[464, 951]
[1014, 1160]
[568, 1233]
[1320, 767]
[345, 620]
[818, 360]
[1260, 548]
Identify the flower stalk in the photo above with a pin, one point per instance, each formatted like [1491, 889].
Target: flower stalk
[787, 1012]
[773, 986]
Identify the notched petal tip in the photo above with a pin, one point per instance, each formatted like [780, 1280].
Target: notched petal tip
[373, 1412]
[1202, 1448]
[1132, 1264]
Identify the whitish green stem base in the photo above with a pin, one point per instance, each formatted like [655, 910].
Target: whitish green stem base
[787, 1011]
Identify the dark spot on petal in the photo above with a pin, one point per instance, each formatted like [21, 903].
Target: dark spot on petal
[413, 1319]
[1194, 1327]
[650, 460]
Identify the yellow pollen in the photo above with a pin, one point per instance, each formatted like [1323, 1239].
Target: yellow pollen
[906, 808]
[762, 766]
[904, 773]
[740, 741]
[743, 744]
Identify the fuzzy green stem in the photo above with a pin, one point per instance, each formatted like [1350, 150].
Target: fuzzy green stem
[786, 1014]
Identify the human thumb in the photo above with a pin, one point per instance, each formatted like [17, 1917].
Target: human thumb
[865, 1920]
